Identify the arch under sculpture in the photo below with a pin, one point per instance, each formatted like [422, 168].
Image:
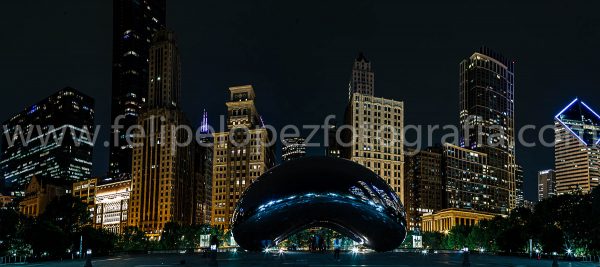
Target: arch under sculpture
[319, 192]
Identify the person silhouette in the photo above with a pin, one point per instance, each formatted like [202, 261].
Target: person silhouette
[337, 245]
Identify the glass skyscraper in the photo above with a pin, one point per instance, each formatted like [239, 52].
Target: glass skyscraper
[546, 184]
[51, 139]
[423, 184]
[134, 23]
[487, 122]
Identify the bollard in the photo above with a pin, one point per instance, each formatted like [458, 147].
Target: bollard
[466, 262]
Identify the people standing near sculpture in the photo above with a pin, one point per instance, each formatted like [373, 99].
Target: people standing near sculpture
[321, 244]
[337, 245]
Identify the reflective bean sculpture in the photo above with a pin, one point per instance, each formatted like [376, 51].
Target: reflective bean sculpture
[319, 192]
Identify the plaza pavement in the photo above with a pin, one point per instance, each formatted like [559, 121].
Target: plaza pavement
[297, 259]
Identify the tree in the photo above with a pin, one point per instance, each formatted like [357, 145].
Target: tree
[594, 221]
[171, 236]
[11, 222]
[133, 239]
[46, 239]
[457, 237]
[433, 240]
[485, 234]
[68, 213]
[100, 241]
[408, 240]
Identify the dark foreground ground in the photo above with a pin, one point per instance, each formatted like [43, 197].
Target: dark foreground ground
[306, 259]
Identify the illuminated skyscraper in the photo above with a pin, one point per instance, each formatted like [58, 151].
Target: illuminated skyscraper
[467, 181]
[134, 23]
[576, 151]
[487, 121]
[423, 185]
[162, 184]
[519, 186]
[60, 145]
[293, 148]
[375, 138]
[377, 142]
[203, 170]
[546, 184]
[237, 160]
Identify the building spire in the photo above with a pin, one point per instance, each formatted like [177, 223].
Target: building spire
[361, 57]
[204, 125]
[362, 80]
[262, 122]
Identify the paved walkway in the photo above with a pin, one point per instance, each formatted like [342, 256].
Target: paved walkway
[313, 260]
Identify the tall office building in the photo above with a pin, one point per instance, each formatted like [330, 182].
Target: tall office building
[546, 184]
[238, 161]
[519, 186]
[423, 185]
[162, 174]
[576, 151]
[203, 171]
[60, 145]
[134, 23]
[363, 78]
[467, 180]
[487, 120]
[377, 139]
[293, 148]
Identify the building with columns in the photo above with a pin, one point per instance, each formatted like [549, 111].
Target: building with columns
[111, 203]
[443, 220]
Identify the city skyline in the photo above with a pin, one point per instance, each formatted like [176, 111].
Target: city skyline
[274, 79]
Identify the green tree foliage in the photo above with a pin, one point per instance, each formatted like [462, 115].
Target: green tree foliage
[68, 213]
[172, 236]
[100, 241]
[132, 239]
[12, 225]
[408, 240]
[457, 237]
[46, 239]
[567, 221]
[433, 240]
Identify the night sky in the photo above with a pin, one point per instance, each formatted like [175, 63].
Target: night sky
[298, 56]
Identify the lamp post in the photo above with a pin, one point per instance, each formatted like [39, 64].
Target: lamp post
[569, 251]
